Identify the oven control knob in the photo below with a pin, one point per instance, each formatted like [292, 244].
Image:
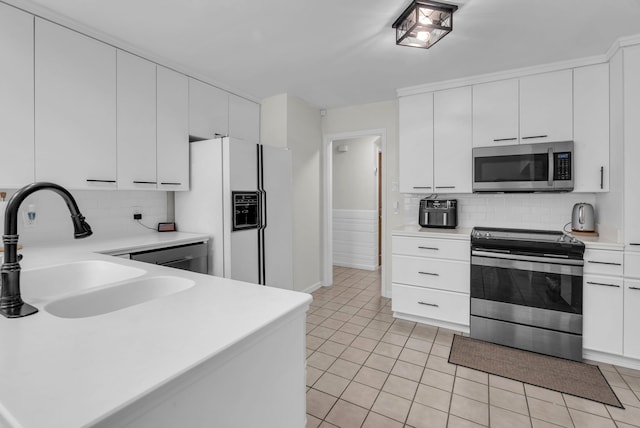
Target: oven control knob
[487, 235]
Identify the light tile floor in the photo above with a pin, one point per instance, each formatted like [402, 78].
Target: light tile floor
[366, 369]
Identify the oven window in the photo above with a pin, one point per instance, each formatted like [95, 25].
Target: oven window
[553, 291]
[526, 167]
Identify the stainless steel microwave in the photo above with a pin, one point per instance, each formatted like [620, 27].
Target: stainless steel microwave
[541, 167]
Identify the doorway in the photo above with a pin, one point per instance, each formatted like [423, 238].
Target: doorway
[354, 196]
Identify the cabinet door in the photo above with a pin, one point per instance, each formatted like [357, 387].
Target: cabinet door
[591, 128]
[602, 314]
[208, 110]
[631, 58]
[631, 318]
[136, 122]
[75, 109]
[172, 130]
[244, 119]
[546, 107]
[452, 140]
[416, 143]
[16, 101]
[495, 113]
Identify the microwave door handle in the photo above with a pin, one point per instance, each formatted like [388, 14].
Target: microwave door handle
[551, 168]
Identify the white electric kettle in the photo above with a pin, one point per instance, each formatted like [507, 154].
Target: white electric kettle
[583, 218]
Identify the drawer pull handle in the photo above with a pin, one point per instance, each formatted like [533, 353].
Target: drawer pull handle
[429, 273]
[602, 283]
[93, 180]
[445, 187]
[504, 139]
[604, 263]
[634, 288]
[171, 184]
[422, 187]
[429, 248]
[144, 182]
[428, 304]
[634, 243]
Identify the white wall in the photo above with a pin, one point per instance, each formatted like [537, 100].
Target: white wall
[354, 174]
[287, 121]
[109, 213]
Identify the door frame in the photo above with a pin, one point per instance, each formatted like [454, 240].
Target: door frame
[327, 140]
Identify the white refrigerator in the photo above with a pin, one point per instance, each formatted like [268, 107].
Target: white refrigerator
[241, 196]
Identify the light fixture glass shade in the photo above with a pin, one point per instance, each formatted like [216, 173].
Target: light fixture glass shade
[424, 23]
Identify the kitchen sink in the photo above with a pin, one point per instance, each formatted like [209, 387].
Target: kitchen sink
[48, 282]
[120, 296]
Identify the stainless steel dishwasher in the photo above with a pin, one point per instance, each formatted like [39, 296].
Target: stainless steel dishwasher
[192, 257]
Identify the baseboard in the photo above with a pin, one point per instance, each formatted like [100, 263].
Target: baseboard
[437, 323]
[311, 288]
[356, 265]
[617, 360]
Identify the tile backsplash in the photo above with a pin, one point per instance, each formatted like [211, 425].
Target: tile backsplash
[517, 210]
[108, 212]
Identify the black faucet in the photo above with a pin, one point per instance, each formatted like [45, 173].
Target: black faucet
[11, 304]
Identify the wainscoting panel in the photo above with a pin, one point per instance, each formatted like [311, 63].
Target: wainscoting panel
[355, 239]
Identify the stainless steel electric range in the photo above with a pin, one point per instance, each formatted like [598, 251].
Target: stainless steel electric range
[526, 290]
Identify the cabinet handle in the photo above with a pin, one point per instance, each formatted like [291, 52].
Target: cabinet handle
[445, 187]
[504, 139]
[602, 177]
[595, 262]
[429, 248]
[428, 304]
[170, 184]
[634, 288]
[429, 273]
[602, 283]
[92, 180]
[422, 187]
[144, 182]
[534, 136]
[634, 243]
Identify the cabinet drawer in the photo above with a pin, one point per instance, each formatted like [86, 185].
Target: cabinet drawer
[428, 303]
[603, 262]
[632, 264]
[447, 275]
[432, 247]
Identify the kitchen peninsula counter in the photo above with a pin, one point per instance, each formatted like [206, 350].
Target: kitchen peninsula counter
[200, 357]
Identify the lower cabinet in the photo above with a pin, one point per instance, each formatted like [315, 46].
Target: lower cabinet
[602, 314]
[430, 280]
[631, 318]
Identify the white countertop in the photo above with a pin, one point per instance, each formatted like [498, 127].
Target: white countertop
[66, 372]
[416, 230]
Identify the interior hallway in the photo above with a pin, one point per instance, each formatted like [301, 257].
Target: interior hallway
[367, 369]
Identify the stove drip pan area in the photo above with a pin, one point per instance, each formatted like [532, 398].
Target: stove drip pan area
[526, 290]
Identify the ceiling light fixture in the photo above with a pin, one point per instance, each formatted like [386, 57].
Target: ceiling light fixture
[424, 23]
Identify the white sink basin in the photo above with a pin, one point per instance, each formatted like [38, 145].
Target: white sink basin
[111, 299]
[57, 280]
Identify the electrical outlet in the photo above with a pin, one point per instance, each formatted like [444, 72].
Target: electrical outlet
[137, 212]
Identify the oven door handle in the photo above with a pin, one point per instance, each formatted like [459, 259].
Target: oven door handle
[525, 263]
[540, 259]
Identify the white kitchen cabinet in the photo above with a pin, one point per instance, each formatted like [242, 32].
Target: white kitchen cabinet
[136, 122]
[16, 101]
[452, 140]
[244, 119]
[431, 280]
[591, 128]
[172, 130]
[495, 113]
[631, 318]
[208, 110]
[75, 109]
[546, 107]
[602, 322]
[631, 108]
[416, 143]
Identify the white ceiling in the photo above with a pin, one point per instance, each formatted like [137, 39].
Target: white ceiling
[335, 53]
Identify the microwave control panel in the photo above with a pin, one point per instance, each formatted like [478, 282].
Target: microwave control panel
[562, 166]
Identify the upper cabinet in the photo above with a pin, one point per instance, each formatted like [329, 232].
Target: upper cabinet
[16, 101]
[75, 108]
[591, 128]
[452, 140]
[172, 130]
[208, 110]
[495, 113]
[416, 143]
[244, 119]
[532, 109]
[546, 107]
[631, 133]
[136, 128]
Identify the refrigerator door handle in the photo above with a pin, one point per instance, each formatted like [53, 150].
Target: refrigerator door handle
[263, 219]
